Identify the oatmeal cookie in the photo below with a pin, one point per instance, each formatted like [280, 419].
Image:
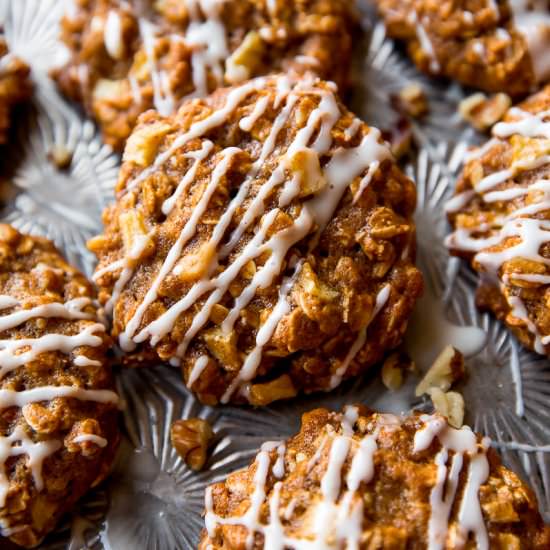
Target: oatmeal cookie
[366, 480]
[262, 239]
[128, 57]
[501, 220]
[58, 410]
[494, 45]
[14, 86]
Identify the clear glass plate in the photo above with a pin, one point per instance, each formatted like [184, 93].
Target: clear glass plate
[152, 500]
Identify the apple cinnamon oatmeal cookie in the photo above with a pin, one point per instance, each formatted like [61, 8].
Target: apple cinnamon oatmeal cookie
[14, 86]
[494, 45]
[58, 410]
[366, 480]
[128, 57]
[501, 220]
[262, 239]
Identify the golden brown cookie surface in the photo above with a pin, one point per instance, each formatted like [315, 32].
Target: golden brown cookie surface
[128, 57]
[262, 239]
[494, 45]
[14, 86]
[501, 220]
[58, 410]
[367, 480]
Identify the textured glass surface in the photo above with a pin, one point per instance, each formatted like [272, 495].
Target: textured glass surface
[152, 500]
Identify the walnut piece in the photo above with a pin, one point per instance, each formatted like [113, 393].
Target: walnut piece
[450, 405]
[446, 369]
[412, 100]
[137, 242]
[60, 156]
[483, 112]
[280, 388]
[393, 370]
[191, 439]
[400, 138]
[245, 59]
[306, 168]
[142, 145]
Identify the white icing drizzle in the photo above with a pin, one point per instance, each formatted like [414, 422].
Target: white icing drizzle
[424, 40]
[198, 156]
[11, 398]
[19, 443]
[9, 531]
[530, 232]
[458, 202]
[247, 123]
[98, 440]
[337, 517]
[344, 166]
[112, 37]
[252, 360]
[134, 88]
[351, 131]
[493, 5]
[307, 61]
[527, 124]
[357, 346]
[206, 34]
[69, 310]
[442, 498]
[16, 353]
[201, 127]
[278, 469]
[366, 181]
[10, 358]
[317, 455]
[479, 152]
[11, 354]
[83, 361]
[163, 99]
[532, 20]
[468, 17]
[7, 302]
[196, 371]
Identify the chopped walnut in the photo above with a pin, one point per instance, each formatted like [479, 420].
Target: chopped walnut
[412, 100]
[280, 388]
[501, 511]
[508, 541]
[312, 295]
[40, 418]
[106, 89]
[142, 145]
[483, 112]
[192, 267]
[245, 59]
[60, 156]
[447, 368]
[450, 405]
[400, 138]
[223, 346]
[137, 242]
[191, 439]
[86, 438]
[393, 370]
[305, 167]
